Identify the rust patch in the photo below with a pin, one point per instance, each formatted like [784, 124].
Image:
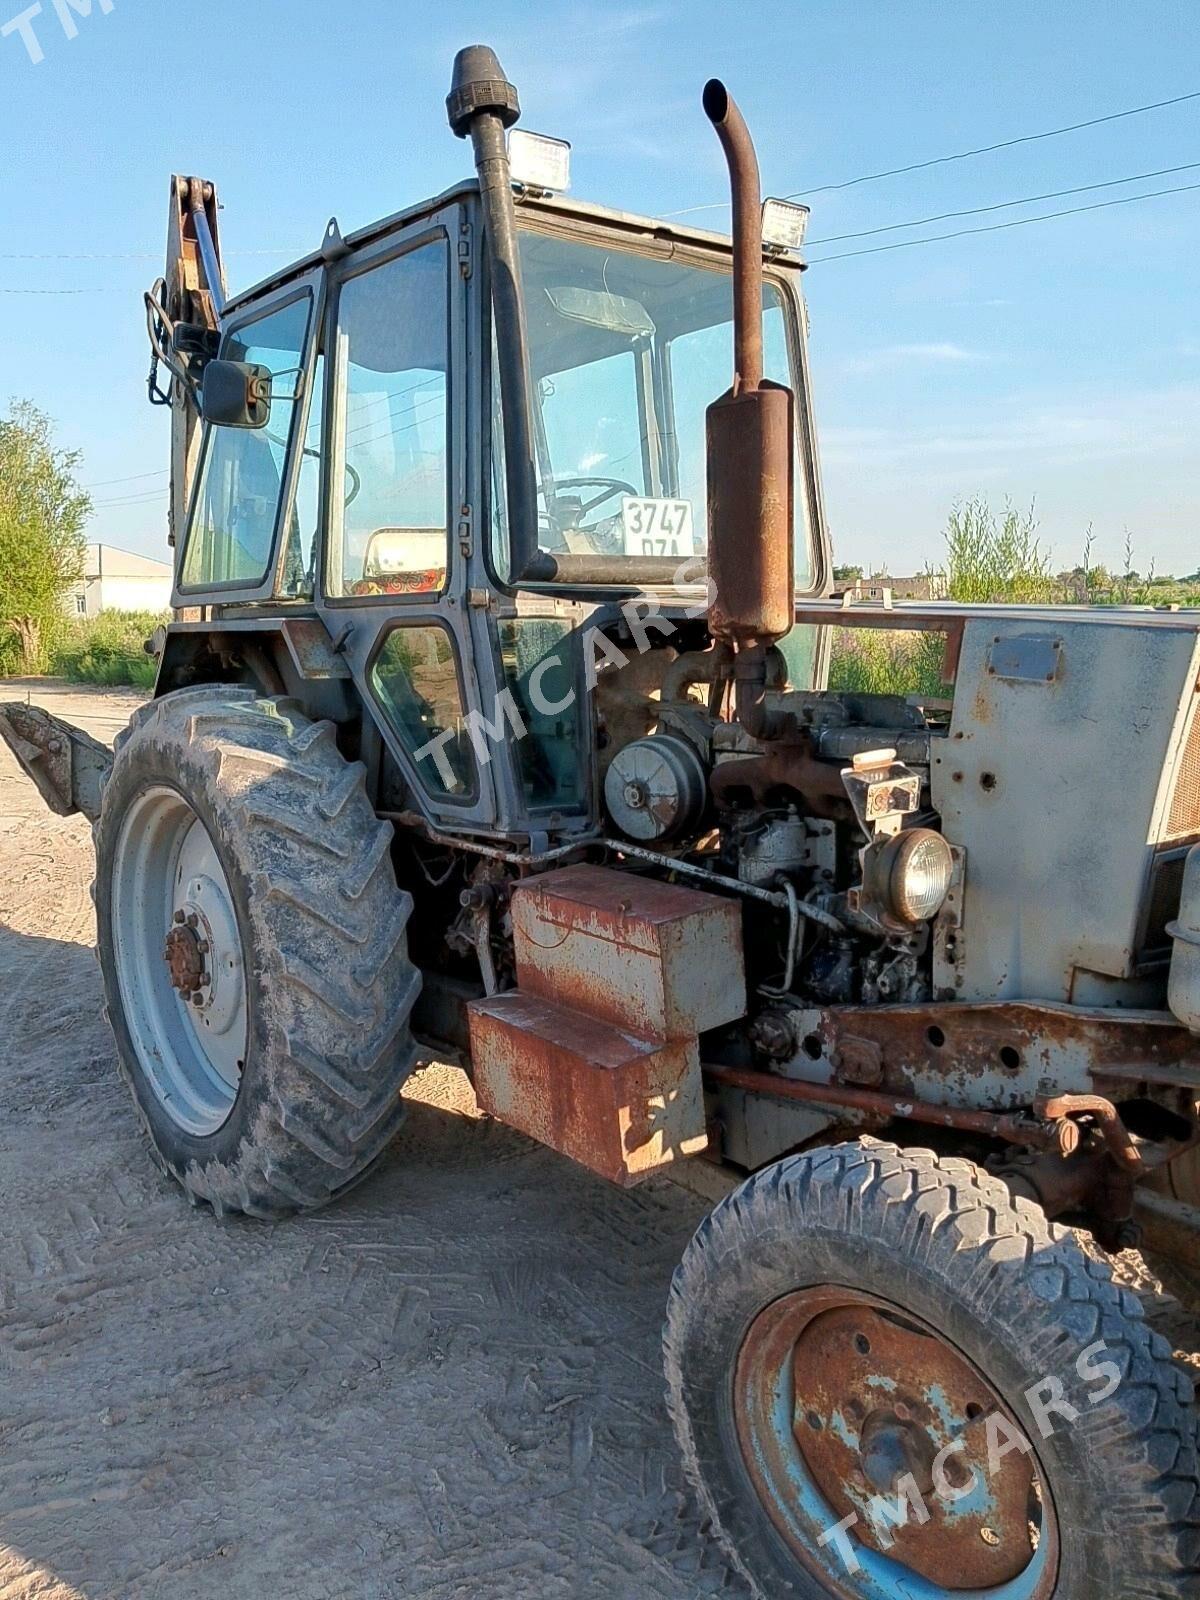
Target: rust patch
[1009, 1127]
[966, 1041]
[793, 766]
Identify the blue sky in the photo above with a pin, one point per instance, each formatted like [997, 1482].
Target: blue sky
[1059, 362]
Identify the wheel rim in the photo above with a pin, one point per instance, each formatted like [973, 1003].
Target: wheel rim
[838, 1399]
[179, 961]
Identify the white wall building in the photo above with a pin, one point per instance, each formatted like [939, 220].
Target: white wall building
[118, 580]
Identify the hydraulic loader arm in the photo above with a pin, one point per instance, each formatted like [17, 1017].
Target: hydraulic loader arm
[183, 312]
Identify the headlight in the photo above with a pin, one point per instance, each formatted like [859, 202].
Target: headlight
[917, 867]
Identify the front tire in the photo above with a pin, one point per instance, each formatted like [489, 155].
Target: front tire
[861, 1272]
[253, 948]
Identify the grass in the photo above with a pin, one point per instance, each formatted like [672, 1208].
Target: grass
[108, 649]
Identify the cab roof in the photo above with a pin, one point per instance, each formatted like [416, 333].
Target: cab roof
[553, 205]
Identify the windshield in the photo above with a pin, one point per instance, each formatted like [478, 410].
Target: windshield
[627, 352]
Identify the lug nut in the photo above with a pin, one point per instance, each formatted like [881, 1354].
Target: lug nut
[197, 998]
[180, 918]
[202, 947]
[193, 920]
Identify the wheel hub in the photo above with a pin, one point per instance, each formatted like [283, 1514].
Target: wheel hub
[184, 954]
[843, 1402]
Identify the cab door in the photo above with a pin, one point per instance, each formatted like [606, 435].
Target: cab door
[397, 495]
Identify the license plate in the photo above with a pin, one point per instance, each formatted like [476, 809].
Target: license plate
[658, 527]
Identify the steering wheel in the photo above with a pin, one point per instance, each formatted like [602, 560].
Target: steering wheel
[612, 486]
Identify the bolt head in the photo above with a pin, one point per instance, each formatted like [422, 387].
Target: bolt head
[197, 998]
[180, 919]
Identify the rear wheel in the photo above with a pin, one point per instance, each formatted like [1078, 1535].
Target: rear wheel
[252, 941]
[888, 1378]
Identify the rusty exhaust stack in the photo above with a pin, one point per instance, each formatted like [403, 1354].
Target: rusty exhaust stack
[751, 453]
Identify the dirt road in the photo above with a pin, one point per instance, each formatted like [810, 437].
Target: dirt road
[447, 1386]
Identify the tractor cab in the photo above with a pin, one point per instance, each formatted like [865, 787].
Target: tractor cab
[372, 491]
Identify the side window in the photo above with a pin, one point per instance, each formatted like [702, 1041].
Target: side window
[415, 678]
[233, 527]
[299, 560]
[393, 356]
[539, 656]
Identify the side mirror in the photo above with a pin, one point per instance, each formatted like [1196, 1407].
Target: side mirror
[236, 394]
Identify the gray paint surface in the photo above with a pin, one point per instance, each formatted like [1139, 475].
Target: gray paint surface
[1057, 788]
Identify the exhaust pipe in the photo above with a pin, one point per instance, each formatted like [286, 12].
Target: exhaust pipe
[751, 439]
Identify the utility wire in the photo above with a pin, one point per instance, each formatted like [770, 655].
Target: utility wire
[141, 494]
[1004, 144]
[133, 255]
[1002, 205]
[962, 155]
[996, 227]
[105, 483]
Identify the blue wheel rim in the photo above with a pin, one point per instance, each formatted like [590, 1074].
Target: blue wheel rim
[766, 1414]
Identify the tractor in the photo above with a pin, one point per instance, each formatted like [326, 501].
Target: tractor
[495, 729]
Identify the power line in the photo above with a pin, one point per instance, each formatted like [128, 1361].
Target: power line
[996, 227]
[106, 483]
[53, 291]
[133, 255]
[130, 499]
[963, 155]
[1003, 144]
[1001, 205]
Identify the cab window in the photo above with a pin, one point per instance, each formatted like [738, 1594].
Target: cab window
[241, 481]
[415, 677]
[393, 338]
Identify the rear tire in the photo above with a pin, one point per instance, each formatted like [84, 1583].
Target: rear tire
[303, 866]
[968, 1269]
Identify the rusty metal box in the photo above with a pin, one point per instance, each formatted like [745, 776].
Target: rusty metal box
[618, 1104]
[654, 958]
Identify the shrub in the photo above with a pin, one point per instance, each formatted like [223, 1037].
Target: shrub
[108, 649]
[991, 561]
[886, 661]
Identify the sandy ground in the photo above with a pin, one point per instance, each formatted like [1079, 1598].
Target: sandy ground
[447, 1386]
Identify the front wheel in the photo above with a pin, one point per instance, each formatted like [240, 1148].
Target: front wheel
[253, 945]
[889, 1378]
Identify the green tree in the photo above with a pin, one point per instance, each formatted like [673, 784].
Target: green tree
[42, 516]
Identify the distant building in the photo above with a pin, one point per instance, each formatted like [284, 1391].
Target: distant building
[925, 586]
[118, 580]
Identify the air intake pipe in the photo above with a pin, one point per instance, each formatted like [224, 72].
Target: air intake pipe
[480, 106]
[751, 453]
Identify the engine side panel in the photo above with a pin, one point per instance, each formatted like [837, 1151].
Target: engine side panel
[1057, 780]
